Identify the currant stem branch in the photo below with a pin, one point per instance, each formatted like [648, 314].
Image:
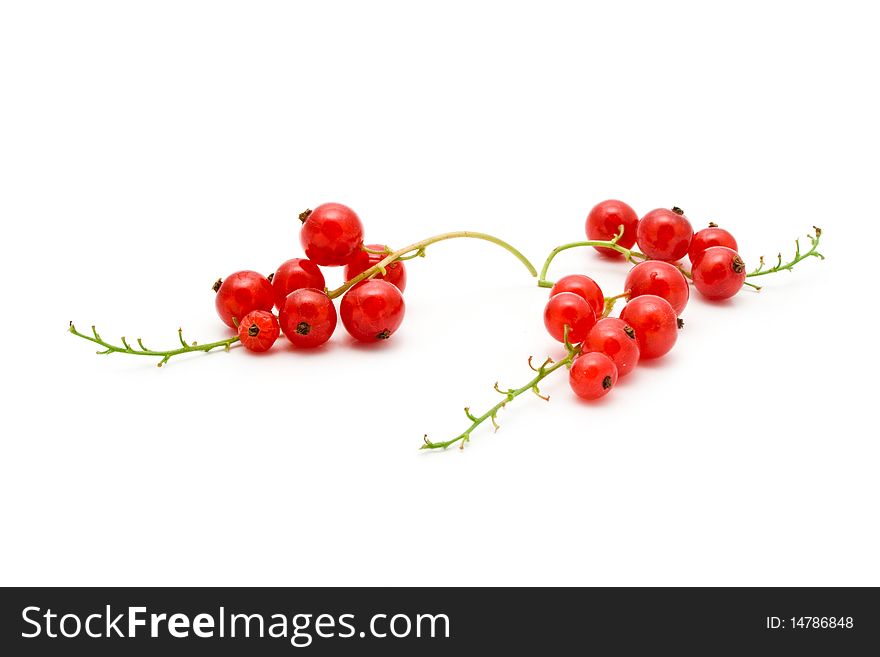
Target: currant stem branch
[610, 302]
[629, 255]
[798, 256]
[545, 370]
[417, 250]
[165, 356]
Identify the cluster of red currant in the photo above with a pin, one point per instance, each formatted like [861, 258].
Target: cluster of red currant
[332, 235]
[656, 290]
[600, 348]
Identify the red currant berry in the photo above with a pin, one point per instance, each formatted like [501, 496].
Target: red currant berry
[569, 309]
[583, 286]
[258, 330]
[241, 293]
[331, 234]
[372, 311]
[295, 275]
[308, 318]
[617, 340]
[395, 273]
[592, 375]
[605, 220]
[660, 279]
[719, 274]
[711, 236]
[665, 234]
[655, 324]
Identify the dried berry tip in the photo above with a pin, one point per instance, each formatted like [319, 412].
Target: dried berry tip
[271, 277]
[712, 224]
[738, 265]
[304, 215]
[254, 330]
[677, 210]
[303, 328]
[384, 335]
[607, 383]
[217, 285]
[680, 323]
[630, 332]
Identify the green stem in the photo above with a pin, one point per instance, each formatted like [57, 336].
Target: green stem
[629, 255]
[544, 371]
[417, 250]
[798, 257]
[610, 302]
[548, 368]
[165, 356]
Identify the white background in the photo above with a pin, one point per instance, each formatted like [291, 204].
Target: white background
[148, 148]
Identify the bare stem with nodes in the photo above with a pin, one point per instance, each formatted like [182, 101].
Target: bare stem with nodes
[545, 370]
[126, 348]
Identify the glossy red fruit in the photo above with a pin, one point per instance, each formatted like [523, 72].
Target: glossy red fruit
[331, 234]
[604, 222]
[592, 375]
[295, 275]
[372, 311]
[665, 234]
[395, 273]
[719, 274]
[569, 309]
[660, 279]
[709, 237]
[655, 324]
[617, 340]
[259, 330]
[241, 293]
[308, 318]
[583, 286]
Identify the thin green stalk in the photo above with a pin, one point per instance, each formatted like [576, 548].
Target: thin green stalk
[545, 370]
[165, 356]
[417, 250]
[628, 254]
[610, 302]
[798, 256]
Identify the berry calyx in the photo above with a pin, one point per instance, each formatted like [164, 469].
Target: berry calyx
[604, 222]
[331, 234]
[584, 287]
[296, 274]
[665, 234]
[395, 273]
[372, 311]
[592, 375]
[258, 331]
[655, 323]
[242, 293]
[719, 273]
[660, 279]
[567, 309]
[308, 318]
[707, 238]
[617, 340]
